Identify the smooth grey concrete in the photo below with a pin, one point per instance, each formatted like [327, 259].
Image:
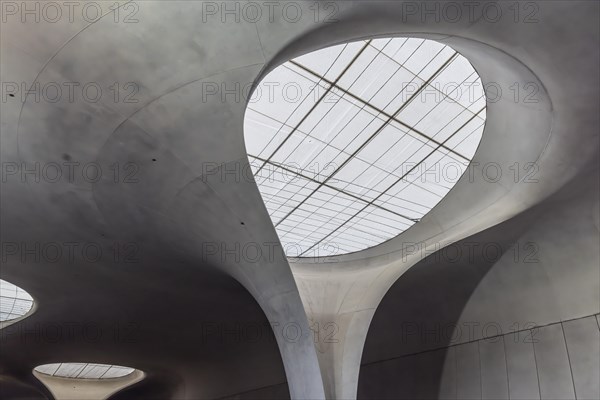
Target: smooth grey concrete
[468, 372]
[460, 371]
[554, 370]
[447, 383]
[466, 296]
[451, 301]
[583, 346]
[494, 380]
[178, 205]
[522, 372]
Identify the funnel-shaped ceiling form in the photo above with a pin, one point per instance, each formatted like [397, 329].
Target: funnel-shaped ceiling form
[86, 381]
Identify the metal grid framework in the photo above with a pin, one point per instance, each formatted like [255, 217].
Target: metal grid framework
[14, 301]
[84, 370]
[353, 144]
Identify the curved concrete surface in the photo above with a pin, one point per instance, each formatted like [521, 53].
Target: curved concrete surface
[455, 302]
[87, 389]
[353, 285]
[182, 202]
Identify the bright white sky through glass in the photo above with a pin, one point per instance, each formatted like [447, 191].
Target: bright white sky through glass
[14, 301]
[84, 370]
[353, 144]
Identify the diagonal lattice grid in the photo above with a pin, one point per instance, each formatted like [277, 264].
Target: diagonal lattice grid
[353, 144]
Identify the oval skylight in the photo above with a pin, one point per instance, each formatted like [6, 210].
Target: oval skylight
[352, 144]
[84, 370]
[14, 301]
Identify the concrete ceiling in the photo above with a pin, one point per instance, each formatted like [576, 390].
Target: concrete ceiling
[157, 223]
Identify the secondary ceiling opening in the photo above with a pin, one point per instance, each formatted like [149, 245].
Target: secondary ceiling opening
[84, 370]
[353, 144]
[14, 302]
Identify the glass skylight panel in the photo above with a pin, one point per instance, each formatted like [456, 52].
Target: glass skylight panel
[368, 73]
[435, 123]
[268, 132]
[359, 128]
[372, 154]
[286, 95]
[455, 73]
[442, 129]
[116, 371]
[421, 57]
[479, 102]
[425, 54]
[332, 113]
[14, 301]
[466, 141]
[70, 370]
[339, 130]
[305, 152]
[48, 369]
[285, 198]
[282, 189]
[369, 228]
[84, 370]
[402, 206]
[306, 217]
[318, 211]
[397, 91]
[426, 185]
[94, 371]
[328, 206]
[405, 50]
[469, 93]
[429, 112]
[331, 61]
[436, 63]
[393, 142]
[411, 190]
[366, 229]
[361, 179]
[391, 45]
[375, 167]
[439, 172]
[340, 206]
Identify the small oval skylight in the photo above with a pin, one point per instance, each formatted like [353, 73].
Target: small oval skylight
[352, 144]
[84, 370]
[14, 301]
